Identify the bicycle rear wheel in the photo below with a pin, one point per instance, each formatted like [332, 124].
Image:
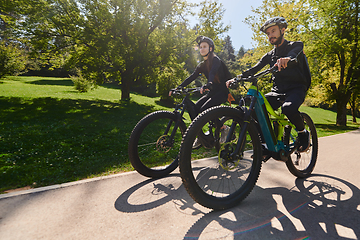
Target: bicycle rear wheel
[152, 151]
[210, 176]
[301, 164]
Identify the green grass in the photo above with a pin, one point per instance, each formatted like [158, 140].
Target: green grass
[325, 121]
[51, 134]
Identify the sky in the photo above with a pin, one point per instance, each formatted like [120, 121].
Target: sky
[235, 13]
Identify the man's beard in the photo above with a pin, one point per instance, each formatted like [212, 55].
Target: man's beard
[278, 40]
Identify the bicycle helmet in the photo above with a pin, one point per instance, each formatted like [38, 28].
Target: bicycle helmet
[280, 21]
[201, 39]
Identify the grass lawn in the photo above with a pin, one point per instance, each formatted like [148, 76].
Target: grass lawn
[51, 134]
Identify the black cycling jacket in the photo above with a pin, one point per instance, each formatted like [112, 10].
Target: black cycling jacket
[288, 78]
[218, 71]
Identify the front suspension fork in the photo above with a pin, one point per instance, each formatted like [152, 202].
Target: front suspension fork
[242, 136]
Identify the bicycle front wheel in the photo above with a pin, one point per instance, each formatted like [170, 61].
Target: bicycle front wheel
[153, 150]
[219, 178]
[301, 164]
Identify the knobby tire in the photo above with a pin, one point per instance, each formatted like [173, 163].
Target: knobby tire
[208, 178]
[301, 164]
[147, 152]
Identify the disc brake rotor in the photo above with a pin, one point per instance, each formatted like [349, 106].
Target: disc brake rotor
[224, 159]
[162, 144]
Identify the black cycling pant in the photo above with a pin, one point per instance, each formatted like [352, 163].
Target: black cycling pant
[206, 101]
[290, 106]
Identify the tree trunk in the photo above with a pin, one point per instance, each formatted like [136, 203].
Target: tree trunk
[353, 108]
[342, 99]
[125, 90]
[126, 80]
[341, 112]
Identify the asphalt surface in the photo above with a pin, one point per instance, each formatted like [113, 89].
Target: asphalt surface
[130, 206]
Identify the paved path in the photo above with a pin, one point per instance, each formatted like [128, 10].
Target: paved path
[129, 206]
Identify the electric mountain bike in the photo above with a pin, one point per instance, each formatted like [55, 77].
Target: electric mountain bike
[224, 180]
[155, 141]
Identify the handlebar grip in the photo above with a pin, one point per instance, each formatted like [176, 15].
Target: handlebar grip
[292, 62]
[176, 90]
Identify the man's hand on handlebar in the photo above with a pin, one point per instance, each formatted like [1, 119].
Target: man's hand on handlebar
[282, 63]
[233, 82]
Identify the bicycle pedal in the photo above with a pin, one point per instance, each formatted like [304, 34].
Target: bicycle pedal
[266, 158]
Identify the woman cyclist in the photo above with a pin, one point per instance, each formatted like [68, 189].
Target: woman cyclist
[216, 73]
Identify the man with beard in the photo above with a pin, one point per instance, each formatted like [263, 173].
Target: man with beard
[291, 82]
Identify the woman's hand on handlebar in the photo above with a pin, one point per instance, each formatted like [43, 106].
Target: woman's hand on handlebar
[207, 87]
[172, 90]
[230, 82]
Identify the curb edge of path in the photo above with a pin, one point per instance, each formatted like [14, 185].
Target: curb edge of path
[62, 185]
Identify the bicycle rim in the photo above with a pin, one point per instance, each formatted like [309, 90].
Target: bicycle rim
[210, 177]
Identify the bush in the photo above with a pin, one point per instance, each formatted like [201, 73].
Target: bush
[12, 60]
[168, 78]
[81, 84]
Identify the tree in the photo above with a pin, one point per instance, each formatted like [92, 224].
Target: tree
[13, 56]
[210, 21]
[241, 52]
[228, 51]
[127, 41]
[330, 32]
[335, 42]
[355, 100]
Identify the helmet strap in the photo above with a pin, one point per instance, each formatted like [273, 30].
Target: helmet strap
[208, 52]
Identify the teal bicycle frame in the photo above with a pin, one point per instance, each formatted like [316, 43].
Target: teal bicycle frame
[267, 118]
[273, 140]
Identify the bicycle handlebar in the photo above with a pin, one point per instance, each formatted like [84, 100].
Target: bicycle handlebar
[253, 79]
[184, 91]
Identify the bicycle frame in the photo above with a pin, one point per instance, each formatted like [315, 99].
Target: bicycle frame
[186, 104]
[261, 106]
[263, 111]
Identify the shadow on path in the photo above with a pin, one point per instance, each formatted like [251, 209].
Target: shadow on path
[319, 207]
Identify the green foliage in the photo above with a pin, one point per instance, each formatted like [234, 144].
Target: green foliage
[170, 77]
[227, 54]
[330, 32]
[335, 44]
[80, 83]
[210, 21]
[124, 41]
[12, 60]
